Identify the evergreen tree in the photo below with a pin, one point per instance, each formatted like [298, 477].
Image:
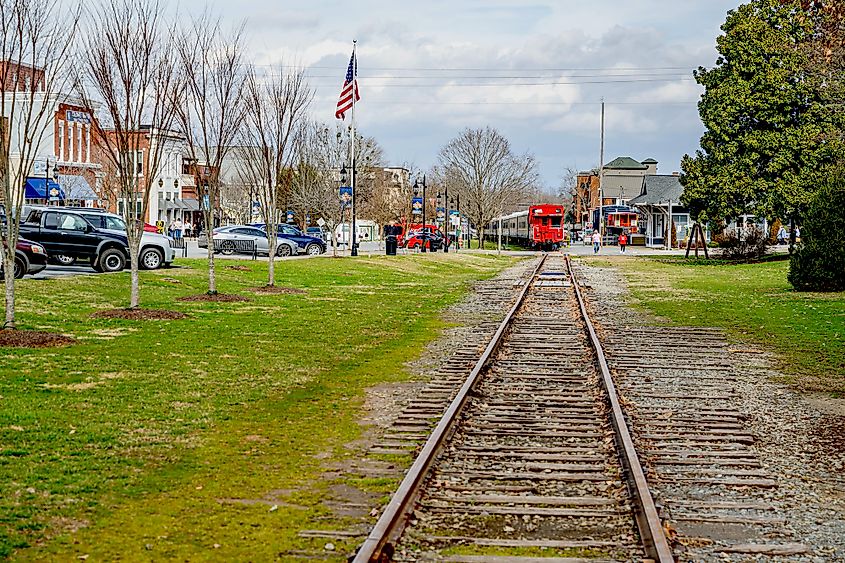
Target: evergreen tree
[770, 135]
[818, 263]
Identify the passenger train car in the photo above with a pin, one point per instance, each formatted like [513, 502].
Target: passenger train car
[541, 226]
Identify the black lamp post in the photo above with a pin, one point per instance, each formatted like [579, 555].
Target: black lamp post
[417, 191]
[344, 177]
[438, 203]
[55, 176]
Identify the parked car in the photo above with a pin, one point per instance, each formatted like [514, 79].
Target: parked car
[308, 244]
[30, 258]
[156, 250]
[318, 232]
[432, 238]
[67, 233]
[284, 247]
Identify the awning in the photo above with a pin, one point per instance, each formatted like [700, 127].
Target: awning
[77, 188]
[191, 204]
[171, 204]
[42, 188]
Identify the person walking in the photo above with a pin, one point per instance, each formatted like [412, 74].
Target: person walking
[596, 242]
[188, 228]
[623, 242]
[782, 235]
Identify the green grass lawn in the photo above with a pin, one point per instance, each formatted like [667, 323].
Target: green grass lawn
[752, 302]
[164, 440]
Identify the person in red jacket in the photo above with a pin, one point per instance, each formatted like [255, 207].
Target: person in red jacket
[623, 242]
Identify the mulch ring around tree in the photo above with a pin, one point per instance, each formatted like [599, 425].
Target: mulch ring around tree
[14, 338]
[238, 268]
[139, 314]
[276, 290]
[214, 298]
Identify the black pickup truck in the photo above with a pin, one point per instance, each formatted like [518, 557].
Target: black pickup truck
[66, 233]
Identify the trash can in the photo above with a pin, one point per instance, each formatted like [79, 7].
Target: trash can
[390, 239]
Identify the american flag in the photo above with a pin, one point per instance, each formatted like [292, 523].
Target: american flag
[351, 81]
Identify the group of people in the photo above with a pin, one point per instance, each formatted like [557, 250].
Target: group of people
[622, 239]
[783, 235]
[178, 229]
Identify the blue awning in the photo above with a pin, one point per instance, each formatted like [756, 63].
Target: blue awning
[77, 188]
[42, 188]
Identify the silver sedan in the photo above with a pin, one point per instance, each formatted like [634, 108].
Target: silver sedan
[221, 235]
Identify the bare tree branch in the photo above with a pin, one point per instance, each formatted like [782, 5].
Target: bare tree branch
[36, 44]
[480, 165]
[274, 109]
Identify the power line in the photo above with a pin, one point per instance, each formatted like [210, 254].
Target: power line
[481, 85]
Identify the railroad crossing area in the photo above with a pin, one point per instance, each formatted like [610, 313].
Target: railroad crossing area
[577, 429]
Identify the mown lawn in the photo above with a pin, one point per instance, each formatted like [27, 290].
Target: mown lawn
[165, 440]
[752, 302]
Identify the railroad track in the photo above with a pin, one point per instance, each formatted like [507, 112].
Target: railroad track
[532, 459]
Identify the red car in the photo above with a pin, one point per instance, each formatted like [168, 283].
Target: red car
[30, 258]
[431, 236]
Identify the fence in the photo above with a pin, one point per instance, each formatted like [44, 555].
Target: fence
[236, 246]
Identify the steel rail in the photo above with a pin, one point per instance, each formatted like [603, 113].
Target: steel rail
[648, 521]
[377, 546]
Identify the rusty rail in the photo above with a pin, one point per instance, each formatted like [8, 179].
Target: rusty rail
[648, 521]
[377, 546]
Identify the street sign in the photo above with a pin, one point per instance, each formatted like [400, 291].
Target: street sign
[455, 220]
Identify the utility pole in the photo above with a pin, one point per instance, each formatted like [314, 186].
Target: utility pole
[601, 167]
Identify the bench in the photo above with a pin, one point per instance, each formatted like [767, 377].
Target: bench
[236, 246]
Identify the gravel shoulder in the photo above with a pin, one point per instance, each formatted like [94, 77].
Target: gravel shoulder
[799, 440]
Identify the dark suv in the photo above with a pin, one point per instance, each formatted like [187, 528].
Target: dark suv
[67, 233]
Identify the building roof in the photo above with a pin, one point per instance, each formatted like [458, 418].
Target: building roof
[659, 189]
[649, 161]
[624, 163]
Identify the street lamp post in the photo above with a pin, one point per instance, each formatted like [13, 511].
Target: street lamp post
[416, 191]
[437, 204]
[447, 219]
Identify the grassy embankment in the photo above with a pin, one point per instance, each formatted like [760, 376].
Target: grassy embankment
[203, 438]
[754, 303]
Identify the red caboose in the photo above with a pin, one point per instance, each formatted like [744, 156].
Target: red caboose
[545, 225]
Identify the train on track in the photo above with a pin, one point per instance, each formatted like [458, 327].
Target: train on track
[538, 227]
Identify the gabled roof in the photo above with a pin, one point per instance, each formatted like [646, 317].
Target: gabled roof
[624, 163]
[659, 189]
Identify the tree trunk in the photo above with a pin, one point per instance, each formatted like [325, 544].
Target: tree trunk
[9, 269]
[135, 292]
[703, 241]
[212, 278]
[792, 236]
[271, 270]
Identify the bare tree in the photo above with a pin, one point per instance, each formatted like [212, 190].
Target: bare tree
[481, 166]
[211, 67]
[322, 151]
[36, 41]
[274, 110]
[127, 71]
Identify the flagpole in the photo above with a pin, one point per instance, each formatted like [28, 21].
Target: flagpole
[354, 91]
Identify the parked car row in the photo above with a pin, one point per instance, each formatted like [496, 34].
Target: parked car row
[67, 235]
[290, 241]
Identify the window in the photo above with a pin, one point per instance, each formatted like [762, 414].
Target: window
[61, 140]
[72, 222]
[139, 163]
[79, 143]
[70, 127]
[115, 223]
[88, 144]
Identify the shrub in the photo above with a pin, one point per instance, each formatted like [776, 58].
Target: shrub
[818, 261]
[744, 246]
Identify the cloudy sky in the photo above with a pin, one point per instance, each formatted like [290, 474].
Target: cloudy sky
[535, 70]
